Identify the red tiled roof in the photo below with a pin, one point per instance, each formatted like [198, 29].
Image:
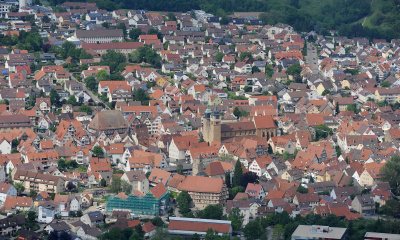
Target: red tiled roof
[198, 225]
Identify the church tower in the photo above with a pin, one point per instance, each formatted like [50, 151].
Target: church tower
[211, 129]
[215, 127]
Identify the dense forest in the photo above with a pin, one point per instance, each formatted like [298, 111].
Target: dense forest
[353, 18]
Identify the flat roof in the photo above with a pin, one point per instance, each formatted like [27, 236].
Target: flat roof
[376, 235]
[317, 231]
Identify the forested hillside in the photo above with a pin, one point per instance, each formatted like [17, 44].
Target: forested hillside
[370, 18]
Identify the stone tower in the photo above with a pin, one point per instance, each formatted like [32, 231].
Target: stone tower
[205, 121]
[211, 129]
[211, 126]
[215, 127]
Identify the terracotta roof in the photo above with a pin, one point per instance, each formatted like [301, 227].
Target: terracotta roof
[145, 37]
[99, 33]
[201, 184]
[175, 180]
[109, 119]
[148, 227]
[199, 225]
[264, 122]
[214, 169]
[159, 176]
[13, 202]
[159, 190]
[112, 45]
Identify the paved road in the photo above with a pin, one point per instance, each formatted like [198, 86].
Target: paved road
[95, 98]
[312, 57]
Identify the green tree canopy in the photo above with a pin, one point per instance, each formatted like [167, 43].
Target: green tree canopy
[115, 186]
[91, 83]
[102, 75]
[115, 60]
[147, 55]
[134, 33]
[219, 56]
[237, 174]
[391, 173]
[253, 230]
[97, 151]
[322, 131]
[245, 55]
[140, 95]
[184, 202]
[211, 212]
[236, 218]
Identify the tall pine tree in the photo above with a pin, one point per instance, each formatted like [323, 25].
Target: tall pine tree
[237, 174]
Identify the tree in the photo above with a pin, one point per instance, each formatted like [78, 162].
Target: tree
[253, 230]
[91, 83]
[245, 55]
[236, 219]
[240, 113]
[32, 193]
[59, 235]
[277, 232]
[19, 187]
[302, 189]
[157, 221]
[248, 177]
[269, 70]
[211, 212]
[134, 33]
[102, 75]
[31, 220]
[97, 151]
[160, 234]
[147, 55]
[295, 70]
[54, 98]
[115, 186]
[179, 168]
[237, 174]
[138, 233]
[61, 163]
[155, 32]
[184, 202]
[69, 49]
[72, 100]
[122, 26]
[126, 187]
[31, 41]
[115, 60]
[212, 235]
[391, 173]
[140, 95]
[86, 109]
[219, 56]
[391, 208]
[235, 190]
[322, 131]
[171, 16]
[103, 182]
[352, 108]
[385, 84]
[71, 186]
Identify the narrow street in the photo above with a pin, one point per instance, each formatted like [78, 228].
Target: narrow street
[95, 98]
[312, 57]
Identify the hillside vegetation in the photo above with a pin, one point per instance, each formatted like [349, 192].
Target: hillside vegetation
[369, 18]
